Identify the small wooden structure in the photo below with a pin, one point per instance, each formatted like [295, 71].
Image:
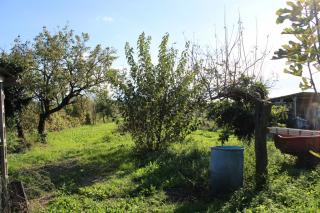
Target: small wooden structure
[5, 77]
[304, 109]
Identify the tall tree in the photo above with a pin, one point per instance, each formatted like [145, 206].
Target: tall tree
[16, 63]
[303, 51]
[229, 64]
[64, 68]
[104, 105]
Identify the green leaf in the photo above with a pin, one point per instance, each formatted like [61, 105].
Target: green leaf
[316, 154]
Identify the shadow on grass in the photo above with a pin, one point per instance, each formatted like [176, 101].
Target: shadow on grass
[233, 202]
[181, 175]
[298, 167]
[293, 169]
[184, 176]
[71, 174]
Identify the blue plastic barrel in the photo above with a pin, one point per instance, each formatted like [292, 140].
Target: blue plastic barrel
[226, 168]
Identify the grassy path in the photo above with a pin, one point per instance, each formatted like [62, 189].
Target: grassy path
[95, 169]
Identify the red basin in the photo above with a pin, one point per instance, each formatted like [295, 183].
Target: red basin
[297, 145]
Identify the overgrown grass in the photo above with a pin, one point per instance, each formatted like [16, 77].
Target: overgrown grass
[95, 169]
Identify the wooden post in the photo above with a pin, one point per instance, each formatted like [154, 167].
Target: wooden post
[3, 154]
[262, 113]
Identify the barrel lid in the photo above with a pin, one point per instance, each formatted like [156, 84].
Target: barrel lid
[227, 148]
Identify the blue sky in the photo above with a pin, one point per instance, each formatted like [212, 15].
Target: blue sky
[113, 22]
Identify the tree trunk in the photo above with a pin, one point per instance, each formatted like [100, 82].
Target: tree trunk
[262, 113]
[20, 131]
[42, 126]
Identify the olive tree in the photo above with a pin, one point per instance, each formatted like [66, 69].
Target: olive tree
[64, 67]
[158, 101]
[105, 106]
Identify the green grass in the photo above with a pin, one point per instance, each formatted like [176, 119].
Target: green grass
[95, 169]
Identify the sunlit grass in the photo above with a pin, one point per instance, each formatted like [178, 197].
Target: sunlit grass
[95, 169]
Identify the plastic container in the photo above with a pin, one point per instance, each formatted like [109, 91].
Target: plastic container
[226, 168]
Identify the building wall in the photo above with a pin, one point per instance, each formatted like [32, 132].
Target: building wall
[302, 106]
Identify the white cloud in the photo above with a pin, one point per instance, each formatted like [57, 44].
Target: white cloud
[107, 19]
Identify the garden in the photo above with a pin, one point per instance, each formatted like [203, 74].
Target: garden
[85, 136]
[95, 169]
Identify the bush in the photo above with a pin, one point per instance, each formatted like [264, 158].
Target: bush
[73, 115]
[61, 120]
[158, 102]
[83, 110]
[279, 115]
[234, 117]
[30, 117]
[13, 142]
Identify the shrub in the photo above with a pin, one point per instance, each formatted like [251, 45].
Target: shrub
[61, 120]
[279, 115]
[158, 102]
[234, 117]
